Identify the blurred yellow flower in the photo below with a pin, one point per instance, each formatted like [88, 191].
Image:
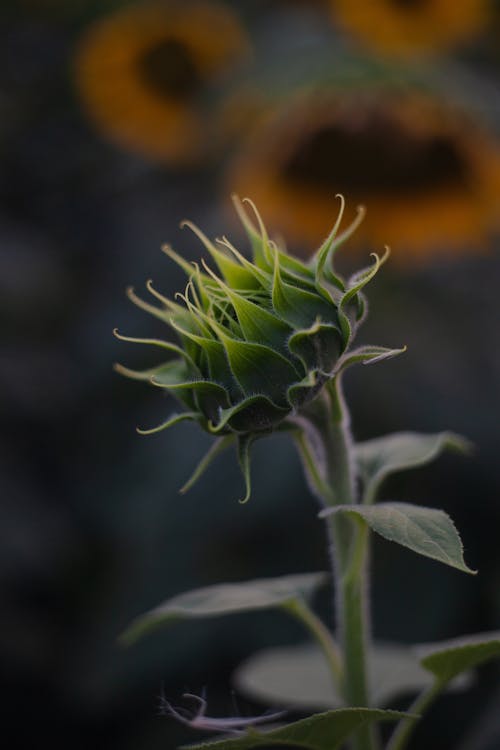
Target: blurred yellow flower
[408, 27]
[142, 74]
[429, 175]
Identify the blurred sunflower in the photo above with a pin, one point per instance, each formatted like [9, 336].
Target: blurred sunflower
[144, 71]
[430, 176]
[408, 27]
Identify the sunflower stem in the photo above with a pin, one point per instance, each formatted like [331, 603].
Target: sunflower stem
[349, 560]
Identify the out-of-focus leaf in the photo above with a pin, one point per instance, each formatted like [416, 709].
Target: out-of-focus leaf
[378, 458]
[298, 676]
[448, 659]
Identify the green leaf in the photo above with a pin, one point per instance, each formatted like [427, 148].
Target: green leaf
[427, 531]
[378, 458]
[326, 731]
[298, 676]
[448, 659]
[226, 599]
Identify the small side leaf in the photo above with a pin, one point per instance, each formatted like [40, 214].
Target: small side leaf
[448, 659]
[325, 731]
[381, 457]
[226, 599]
[427, 531]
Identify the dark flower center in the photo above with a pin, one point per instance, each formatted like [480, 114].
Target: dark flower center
[169, 69]
[376, 155]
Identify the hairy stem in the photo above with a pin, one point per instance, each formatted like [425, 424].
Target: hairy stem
[350, 562]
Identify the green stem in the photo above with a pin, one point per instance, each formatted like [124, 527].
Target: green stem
[322, 635]
[325, 447]
[350, 558]
[404, 729]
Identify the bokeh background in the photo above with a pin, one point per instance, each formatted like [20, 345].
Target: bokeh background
[119, 119]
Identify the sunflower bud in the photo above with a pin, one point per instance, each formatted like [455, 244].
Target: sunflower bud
[257, 340]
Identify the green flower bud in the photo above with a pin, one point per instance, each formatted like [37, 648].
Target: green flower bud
[258, 339]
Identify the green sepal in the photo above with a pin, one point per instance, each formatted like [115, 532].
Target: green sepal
[294, 270]
[168, 345]
[145, 375]
[226, 599]
[161, 314]
[367, 355]
[379, 458]
[427, 531]
[209, 397]
[192, 416]
[260, 326]
[216, 360]
[324, 253]
[318, 347]
[259, 240]
[254, 413]
[245, 442]
[235, 274]
[361, 278]
[325, 731]
[450, 658]
[257, 324]
[300, 393]
[355, 284]
[298, 307]
[259, 369]
[218, 445]
[262, 278]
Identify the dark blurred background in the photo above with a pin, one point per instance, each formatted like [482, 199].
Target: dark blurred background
[119, 119]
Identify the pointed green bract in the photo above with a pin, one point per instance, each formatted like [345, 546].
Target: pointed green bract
[427, 531]
[227, 599]
[171, 421]
[325, 731]
[318, 346]
[366, 355]
[259, 369]
[217, 447]
[254, 410]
